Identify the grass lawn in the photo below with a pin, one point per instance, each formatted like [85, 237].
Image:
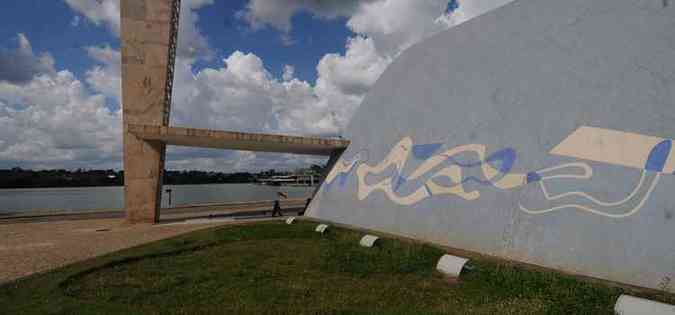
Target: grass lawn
[273, 268]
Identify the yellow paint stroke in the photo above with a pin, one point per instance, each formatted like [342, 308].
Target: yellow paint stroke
[398, 157]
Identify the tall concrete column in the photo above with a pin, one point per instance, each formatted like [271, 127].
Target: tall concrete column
[147, 61]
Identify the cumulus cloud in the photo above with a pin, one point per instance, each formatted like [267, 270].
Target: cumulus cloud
[394, 25]
[99, 12]
[383, 29]
[369, 16]
[278, 13]
[390, 23]
[21, 65]
[192, 43]
[289, 72]
[53, 121]
[244, 95]
[356, 71]
[105, 78]
[240, 94]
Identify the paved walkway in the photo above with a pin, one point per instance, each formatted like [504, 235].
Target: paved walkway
[26, 248]
[166, 214]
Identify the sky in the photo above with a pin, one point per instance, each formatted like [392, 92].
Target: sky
[298, 67]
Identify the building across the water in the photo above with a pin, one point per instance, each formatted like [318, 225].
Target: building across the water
[289, 180]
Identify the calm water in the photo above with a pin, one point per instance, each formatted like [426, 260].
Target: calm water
[111, 198]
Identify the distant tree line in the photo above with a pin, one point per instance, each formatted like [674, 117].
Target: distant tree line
[22, 178]
[201, 177]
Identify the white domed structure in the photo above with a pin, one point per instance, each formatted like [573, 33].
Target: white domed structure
[539, 132]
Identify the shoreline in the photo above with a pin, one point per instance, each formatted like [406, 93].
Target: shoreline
[180, 212]
[68, 200]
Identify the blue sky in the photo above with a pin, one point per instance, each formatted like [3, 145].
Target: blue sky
[311, 40]
[54, 32]
[225, 31]
[276, 66]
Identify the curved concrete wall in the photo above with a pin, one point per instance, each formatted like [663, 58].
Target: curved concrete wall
[539, 132]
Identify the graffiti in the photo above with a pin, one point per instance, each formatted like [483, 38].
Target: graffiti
[446, 174]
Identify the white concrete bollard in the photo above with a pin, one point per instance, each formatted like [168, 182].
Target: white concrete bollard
[321, 228]
[451, 265]
[368, 240]
[290, 220]
[630, 305]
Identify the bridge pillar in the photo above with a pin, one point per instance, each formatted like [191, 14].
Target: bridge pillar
[148, 50]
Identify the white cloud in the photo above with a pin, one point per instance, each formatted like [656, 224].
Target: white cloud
[384, 28]
[396, 24]
[53, 121]
[278, 13]
[406, 19]
[192, 43]
[243, 95]
[343, 81]
[289, 72]
[239, 95]
[107, 77]
[392, 24]
[356, 71]
[21, 65]
[99, 12]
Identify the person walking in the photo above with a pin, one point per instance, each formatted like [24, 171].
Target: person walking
[277, 206]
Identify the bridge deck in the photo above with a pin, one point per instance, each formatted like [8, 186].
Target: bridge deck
[238, 140]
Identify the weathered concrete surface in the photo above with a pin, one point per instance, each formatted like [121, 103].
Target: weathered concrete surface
[541, 132]
[145, 29]
[238, 140]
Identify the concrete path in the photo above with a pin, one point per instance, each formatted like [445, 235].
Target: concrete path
[31, 247]
[288, 206]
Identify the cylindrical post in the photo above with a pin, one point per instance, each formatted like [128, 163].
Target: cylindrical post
[169, 191]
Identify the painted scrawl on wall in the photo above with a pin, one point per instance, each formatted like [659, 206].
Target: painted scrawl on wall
[652, 155]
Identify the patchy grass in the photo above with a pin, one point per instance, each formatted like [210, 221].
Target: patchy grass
[273, 268]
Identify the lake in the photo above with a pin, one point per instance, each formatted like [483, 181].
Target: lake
[112, 198]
